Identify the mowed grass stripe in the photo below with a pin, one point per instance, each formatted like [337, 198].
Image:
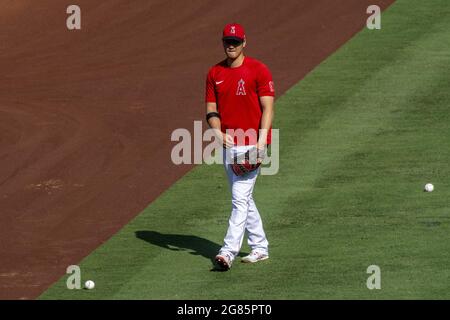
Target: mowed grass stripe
[360, 136]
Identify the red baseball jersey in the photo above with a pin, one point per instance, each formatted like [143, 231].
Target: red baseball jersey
[236, 92]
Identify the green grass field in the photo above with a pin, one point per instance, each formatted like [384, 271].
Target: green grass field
[360, 137]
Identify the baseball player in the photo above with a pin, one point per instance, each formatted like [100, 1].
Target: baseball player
[240, 108]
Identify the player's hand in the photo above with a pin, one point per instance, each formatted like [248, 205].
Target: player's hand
[224, 139]
[228, 140]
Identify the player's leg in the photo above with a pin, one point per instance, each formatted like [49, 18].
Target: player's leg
[257, 240]
[256, 236]
[241, 191]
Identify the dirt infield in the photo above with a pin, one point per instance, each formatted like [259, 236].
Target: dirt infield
[86, 116]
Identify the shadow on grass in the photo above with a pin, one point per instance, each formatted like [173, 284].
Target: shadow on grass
[180, 242]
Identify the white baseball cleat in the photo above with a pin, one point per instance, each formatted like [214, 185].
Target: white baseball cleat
[255, 256]
[224, 260]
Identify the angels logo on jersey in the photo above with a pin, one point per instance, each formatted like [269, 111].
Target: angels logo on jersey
[271, 86]
[241, 88]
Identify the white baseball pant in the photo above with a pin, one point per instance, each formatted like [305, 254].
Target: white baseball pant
[244, 214]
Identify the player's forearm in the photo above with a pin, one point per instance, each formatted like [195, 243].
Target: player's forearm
[266, 119]
[213, 122]
[266, 123]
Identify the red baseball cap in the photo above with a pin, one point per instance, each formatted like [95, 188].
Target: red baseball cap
[233, 31]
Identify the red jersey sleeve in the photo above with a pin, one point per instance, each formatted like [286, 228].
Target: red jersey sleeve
[210, 93]
[264, 82]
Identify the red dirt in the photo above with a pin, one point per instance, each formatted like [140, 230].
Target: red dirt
[86, 116]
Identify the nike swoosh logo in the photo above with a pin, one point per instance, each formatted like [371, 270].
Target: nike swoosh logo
[219, 82]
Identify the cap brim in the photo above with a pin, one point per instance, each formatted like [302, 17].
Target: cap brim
[233, 38]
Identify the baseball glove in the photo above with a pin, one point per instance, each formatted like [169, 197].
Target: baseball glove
[247, 162]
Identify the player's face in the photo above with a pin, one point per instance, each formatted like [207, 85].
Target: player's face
[233, 48]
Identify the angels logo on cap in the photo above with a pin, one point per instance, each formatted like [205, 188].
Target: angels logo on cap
[233, 31]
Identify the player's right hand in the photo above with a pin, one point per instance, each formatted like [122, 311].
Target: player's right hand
[228, 140]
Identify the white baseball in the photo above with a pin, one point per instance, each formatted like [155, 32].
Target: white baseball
[429, 187]
[89, 284]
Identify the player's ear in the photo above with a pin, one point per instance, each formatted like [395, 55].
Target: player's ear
[244, 43]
